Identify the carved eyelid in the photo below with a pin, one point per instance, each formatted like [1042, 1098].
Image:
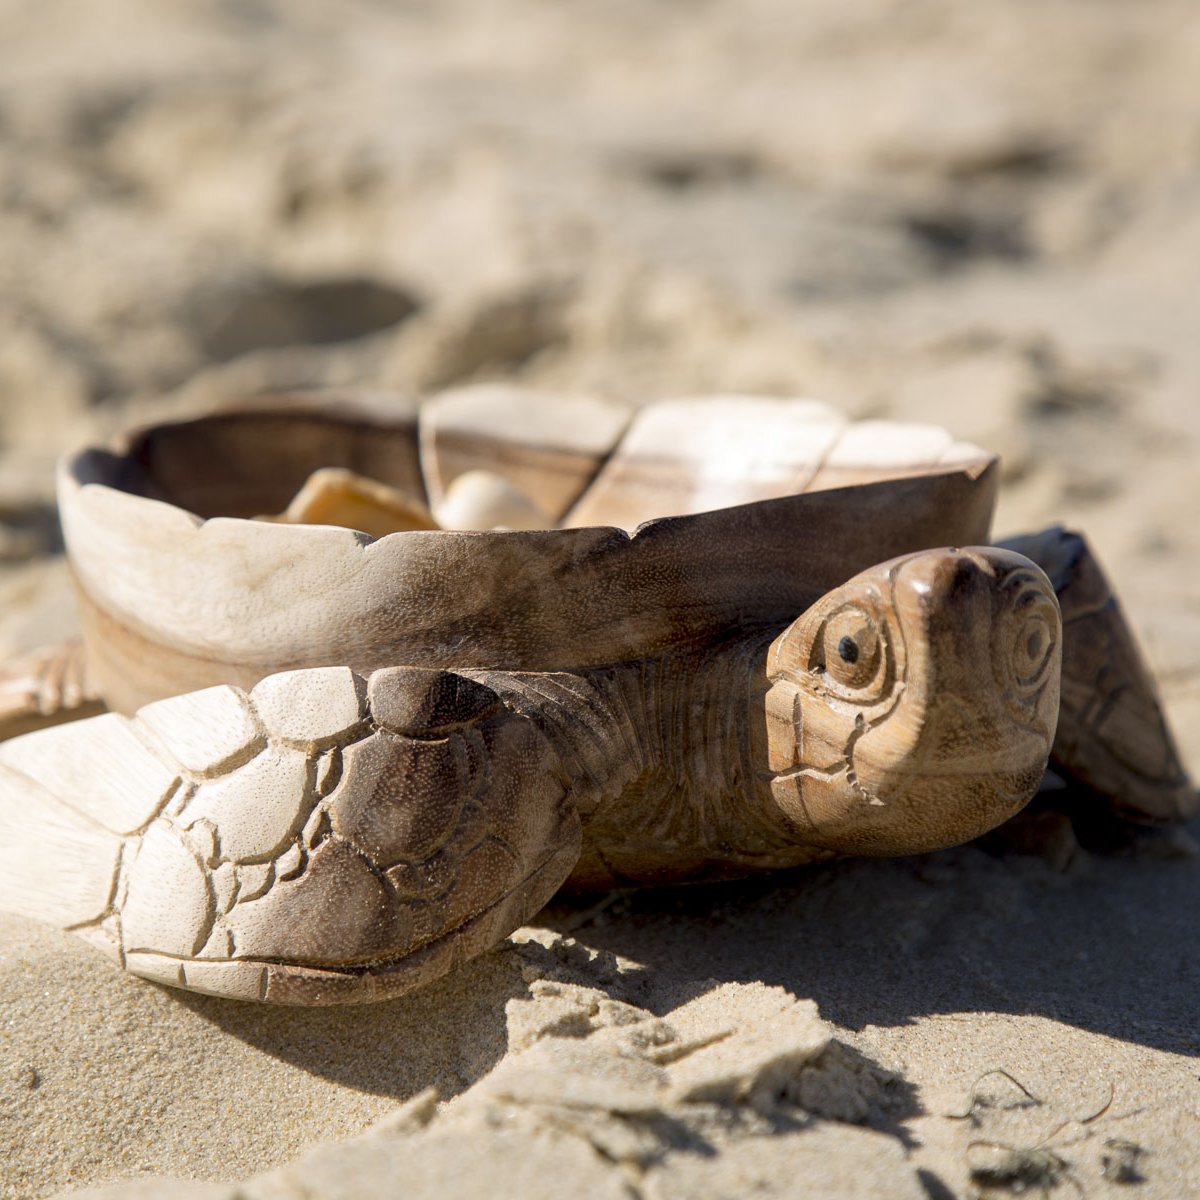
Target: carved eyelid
[868, 677]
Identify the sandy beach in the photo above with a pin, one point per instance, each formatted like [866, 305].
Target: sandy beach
[982, 216]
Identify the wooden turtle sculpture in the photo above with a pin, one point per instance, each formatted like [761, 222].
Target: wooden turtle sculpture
[710, 637]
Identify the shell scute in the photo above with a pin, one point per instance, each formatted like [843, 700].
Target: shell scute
[256, 808]
[254, 879]
[338, 911]
[169, 906]
[423, 702]
[400, 799]
[233, 980]
[487, 871]
[427, 880]
[521, 789]
[434, 876]
[310, 707]
[208, 731]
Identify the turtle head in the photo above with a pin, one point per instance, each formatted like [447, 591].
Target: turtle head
[914, 707]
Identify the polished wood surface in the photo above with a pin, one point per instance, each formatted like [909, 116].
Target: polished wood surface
[357, 752]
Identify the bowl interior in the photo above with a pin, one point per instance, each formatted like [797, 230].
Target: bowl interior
[245, 464]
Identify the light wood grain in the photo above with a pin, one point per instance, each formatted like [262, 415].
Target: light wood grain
[547, 446]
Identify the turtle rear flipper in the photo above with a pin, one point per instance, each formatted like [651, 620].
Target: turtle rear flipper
[1112, 738]
[321, 839]
[46, 687]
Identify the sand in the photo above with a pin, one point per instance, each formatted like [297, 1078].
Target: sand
[983, 215]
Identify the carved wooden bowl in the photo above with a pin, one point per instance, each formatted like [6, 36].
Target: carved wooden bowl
[675, 524]
[737, 635]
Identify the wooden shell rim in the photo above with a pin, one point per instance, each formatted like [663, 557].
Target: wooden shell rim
[179, 590]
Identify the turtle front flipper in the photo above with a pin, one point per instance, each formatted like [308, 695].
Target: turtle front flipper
[322, 839]
[1113, 738]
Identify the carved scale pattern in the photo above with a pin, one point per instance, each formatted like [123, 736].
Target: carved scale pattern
[300, 822]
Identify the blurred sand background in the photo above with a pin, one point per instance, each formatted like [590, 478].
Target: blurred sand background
[986, 215]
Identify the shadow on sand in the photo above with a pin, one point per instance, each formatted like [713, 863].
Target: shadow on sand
[1109, 945]
[446, 1036]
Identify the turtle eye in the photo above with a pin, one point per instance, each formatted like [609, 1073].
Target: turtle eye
[1032, 650]
[1025, 646]
[849, 649]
